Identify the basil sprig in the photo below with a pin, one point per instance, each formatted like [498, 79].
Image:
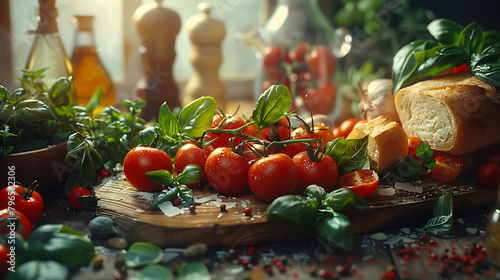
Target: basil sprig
[442, 221]
[320, 210]
[453, 46]
[349, 154]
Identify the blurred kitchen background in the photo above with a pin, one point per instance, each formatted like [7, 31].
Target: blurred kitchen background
[378, 29]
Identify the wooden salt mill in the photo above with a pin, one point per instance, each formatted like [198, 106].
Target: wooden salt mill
[158, 27]
[206, 34]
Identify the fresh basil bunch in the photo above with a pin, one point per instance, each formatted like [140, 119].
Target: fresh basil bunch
[320, 210]
[453, 46]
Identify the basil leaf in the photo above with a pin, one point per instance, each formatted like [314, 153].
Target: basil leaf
[185, 195]
[6, 112]
[491, 37]
[337, 229]
[316, 192]
[194, 270]
[35, 270]
[58, 93]
[445, 31]
[32, 111]
[190, 174]
[298, 209]
[160, 177]
[344, 199]
[471, 39]
[155, 272]
[170, 195]
[485, 65]
[4, 94]
[272, 106]
[442, 223]
[349, 154]
[167, 121]
[405, 170]
[62, 244]
[197, 116]
[424, 152]
[142, 253]
[95, 100]
[435, 60]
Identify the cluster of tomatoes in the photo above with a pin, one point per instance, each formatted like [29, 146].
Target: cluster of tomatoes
[306, 71]
[267, 171]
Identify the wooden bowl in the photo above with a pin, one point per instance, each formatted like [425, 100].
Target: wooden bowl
[47, 166]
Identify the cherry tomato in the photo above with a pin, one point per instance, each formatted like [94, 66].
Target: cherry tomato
[273, 176]
[318, 131]
[488, 175]
[448, 167]
[227, 171]
[143, 159]
[73, 196]
[321, 100]
[4, 259]
[362, 181]
[12, 219]
[413, 143]
[491, 155]
[298, 53]
[190, 153]
[346, 127]
[222, 140]
[26, 200]
[292, 149]
[272, 58]
[323, 173]
[275, 132]
[103, 174]
[321, 62]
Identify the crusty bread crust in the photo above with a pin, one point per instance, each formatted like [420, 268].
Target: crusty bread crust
[456, 113]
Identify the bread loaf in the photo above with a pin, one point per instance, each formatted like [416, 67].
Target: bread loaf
[387, 142]
[456, 113]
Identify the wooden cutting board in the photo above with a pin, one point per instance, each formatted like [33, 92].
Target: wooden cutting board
[129, 207]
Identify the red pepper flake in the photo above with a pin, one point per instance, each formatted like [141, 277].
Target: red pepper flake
[430, 263]
[268, 269]
[406, 273]
[247, 211]
[371, 261]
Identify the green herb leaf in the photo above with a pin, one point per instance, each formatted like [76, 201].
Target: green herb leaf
[170, 195]
[491, 37]
[167, 121]
[155, 272]
[349, 154]
[33, 111]
[337, 229]
[160, 177]
[344, 199]
[197, 116]
[58, 93]
[142, 253]
[315, 192]
[471, 39]
[6, 112]
[190, 174]
[194, 270]
[272, 106]
[95, 100]
[298, 209]
[445, 31]
[185, 195]
[35, 270]
[442, 222]
[424, 152]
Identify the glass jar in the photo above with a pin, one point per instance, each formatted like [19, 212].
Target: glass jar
[89, 74]
[298, 47]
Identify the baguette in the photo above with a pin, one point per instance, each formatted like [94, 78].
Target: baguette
[387, 142]
[456, 113]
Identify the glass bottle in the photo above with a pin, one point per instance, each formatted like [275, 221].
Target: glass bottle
[492, 237]
[89, 73]
[47, 50]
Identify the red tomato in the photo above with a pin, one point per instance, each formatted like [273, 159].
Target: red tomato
[143, 159]
[273, 176]
[346, 127]
[321, 62]
[227, 171]
[272, 58]
[73, 196]
[4, 259]
[448, 167]
[275, 132]
[11, 219]
[222, 140]
[362, 181]
[321, 100]
[292, 149]
[191, 153]
[413, 143]
[103, 174]
[298, 53]
[26, 200]
[323, 173]
[318, 131]
[488, 175]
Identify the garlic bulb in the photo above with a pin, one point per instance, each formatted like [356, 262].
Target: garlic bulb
[377, 100]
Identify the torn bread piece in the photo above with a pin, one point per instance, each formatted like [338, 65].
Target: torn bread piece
[387, 142]
[456, 113]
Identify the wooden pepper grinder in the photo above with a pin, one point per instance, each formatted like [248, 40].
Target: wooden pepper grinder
[206, 34]
[158, 27]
